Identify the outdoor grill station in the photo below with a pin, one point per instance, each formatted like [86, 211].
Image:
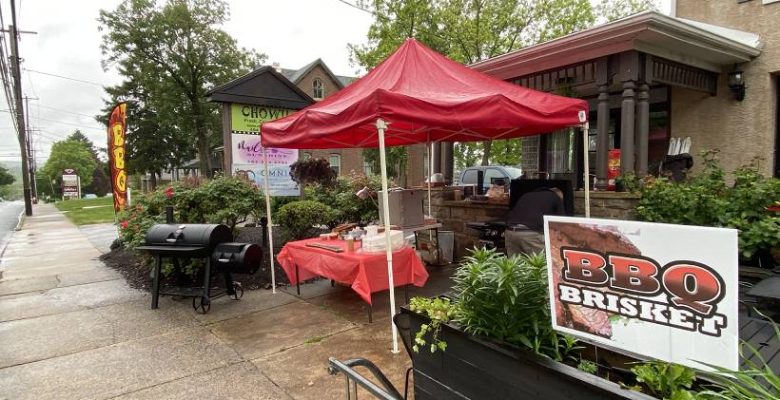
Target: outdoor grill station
[212, 243]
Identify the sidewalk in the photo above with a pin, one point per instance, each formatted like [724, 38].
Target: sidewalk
[71, 328]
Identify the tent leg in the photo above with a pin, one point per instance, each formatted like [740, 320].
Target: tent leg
[430, 172]
[381, 125]
[586, 162]
[268, 217]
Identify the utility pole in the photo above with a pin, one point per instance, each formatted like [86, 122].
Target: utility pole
[30, 149]
[17, 76]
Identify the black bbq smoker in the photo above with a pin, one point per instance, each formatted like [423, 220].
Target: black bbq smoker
[211, 242]
[491, 233]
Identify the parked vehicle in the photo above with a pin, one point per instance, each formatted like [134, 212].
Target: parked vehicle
[492, 174]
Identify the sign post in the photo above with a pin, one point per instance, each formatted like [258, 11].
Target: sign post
[662, 291]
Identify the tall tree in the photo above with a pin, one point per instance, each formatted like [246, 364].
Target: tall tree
[469, 31]
[154, 143]
[70, 153]
[6, 178]
[176, 51]
[101, 184]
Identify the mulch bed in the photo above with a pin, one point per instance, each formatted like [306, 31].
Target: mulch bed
[136, 269]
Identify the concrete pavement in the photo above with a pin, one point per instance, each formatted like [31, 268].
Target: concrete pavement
[71, 328]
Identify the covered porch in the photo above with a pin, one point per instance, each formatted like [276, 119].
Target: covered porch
[629, 72]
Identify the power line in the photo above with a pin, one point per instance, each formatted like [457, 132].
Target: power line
[83, 126]
[66, 77]
[357, 7]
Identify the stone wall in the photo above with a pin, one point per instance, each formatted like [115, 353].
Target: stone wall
[455, 214]
[609, 205]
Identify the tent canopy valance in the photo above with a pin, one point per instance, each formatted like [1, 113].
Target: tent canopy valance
[423, 96]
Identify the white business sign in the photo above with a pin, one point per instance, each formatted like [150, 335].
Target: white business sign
[663, 291]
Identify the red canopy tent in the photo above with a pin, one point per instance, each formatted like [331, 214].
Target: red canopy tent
[423, 96]
[418, 96]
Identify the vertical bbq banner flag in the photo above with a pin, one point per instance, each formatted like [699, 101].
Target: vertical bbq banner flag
[116, 155]
[668, 292]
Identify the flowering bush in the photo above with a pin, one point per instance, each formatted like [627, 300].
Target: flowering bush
[221, 200]
[133, 224]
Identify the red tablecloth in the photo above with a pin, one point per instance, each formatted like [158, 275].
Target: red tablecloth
[365, 272]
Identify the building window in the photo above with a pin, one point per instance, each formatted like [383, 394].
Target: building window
[335, 163]
[367, 168]
[317, 91]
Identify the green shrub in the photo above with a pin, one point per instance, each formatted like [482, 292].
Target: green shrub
[507, 298]
[221, 200]
[706, 200]
[340, 196]
[300, 219]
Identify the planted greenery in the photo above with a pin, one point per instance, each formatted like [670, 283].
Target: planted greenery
[341, 197]
[665, 380]
[502, 298]
[752, 381]
[301, 219]
[707, 200]
[507, 298]
[220, 200]
[440, 311]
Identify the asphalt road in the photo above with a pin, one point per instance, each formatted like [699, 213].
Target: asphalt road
[9, 217]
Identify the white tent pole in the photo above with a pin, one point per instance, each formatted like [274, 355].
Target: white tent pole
[381, 125]
[429, 149]
[268, 217]
[586, 178]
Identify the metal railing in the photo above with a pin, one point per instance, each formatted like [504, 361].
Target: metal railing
[354, 379]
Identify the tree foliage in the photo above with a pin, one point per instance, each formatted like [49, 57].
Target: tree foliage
[153, 143]
[396, 158]
[171, 53]
[70, 153]
[469, 31]
[101, 183]
[6, 178]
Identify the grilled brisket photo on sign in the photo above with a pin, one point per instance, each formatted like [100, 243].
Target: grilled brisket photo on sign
[594, 238]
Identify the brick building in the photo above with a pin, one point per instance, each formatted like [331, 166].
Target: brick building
[651, 77]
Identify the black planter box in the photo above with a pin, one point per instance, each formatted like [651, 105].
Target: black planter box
[473, 368]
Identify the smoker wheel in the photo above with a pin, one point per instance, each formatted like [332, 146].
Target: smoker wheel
[201, 305]
[238, 290]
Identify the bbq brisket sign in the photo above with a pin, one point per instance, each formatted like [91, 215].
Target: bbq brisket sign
[662, 291]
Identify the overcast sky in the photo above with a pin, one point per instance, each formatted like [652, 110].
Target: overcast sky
[67, 43]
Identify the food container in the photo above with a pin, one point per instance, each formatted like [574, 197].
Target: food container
[376, 243]
[372, 230]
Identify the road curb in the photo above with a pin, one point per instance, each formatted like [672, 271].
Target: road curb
[20, 221]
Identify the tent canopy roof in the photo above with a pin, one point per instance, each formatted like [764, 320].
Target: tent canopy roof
[423, 96]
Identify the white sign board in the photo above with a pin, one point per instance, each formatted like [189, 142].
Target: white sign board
[71, 184]
[662, 291]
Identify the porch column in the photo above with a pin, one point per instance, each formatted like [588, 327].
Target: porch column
[448, 160]
[627, 110]
[642, 129]
[602, 137]
[436, 157]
